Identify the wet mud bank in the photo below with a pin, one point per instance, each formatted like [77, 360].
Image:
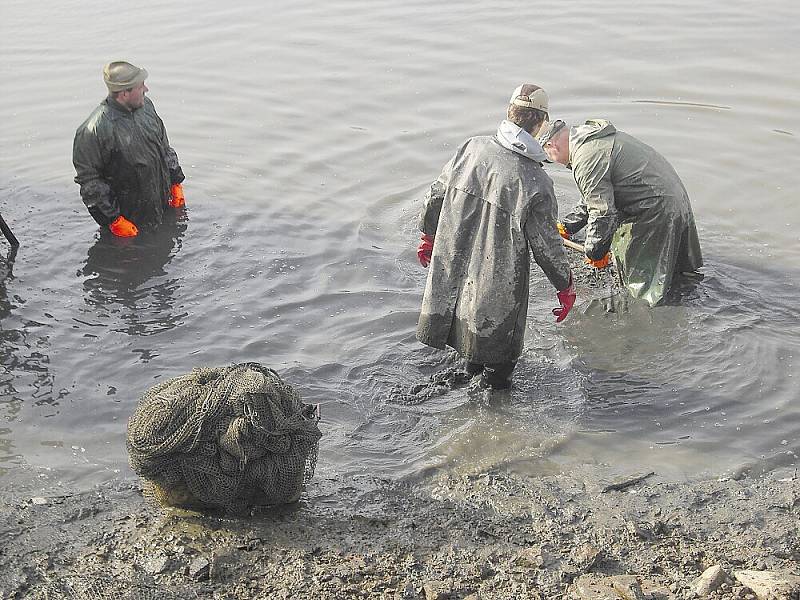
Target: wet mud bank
[486, 535]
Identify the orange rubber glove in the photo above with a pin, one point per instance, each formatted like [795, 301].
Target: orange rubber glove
[600, 264]
[121, 227]
[425, 249]
[562, 231]
[177, 199]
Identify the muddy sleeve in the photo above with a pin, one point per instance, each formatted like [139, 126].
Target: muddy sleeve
[544, 241]
[593, 176]
[170, 156]
[175, 172]
[432, 207]
[577, 219]
[434, 198]
[90, 157]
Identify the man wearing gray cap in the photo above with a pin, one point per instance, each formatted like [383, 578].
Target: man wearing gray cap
[633, 203]
[127, 171]
[491, 207]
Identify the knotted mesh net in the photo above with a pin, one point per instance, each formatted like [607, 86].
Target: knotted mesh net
[224, 437]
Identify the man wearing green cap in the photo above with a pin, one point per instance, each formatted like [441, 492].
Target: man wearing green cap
[127, 171]
[633, 204]
[490, 209]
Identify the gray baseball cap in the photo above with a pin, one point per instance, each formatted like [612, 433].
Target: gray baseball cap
[120, 75]
[549, 129]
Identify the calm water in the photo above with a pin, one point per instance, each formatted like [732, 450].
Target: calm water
[308, 134]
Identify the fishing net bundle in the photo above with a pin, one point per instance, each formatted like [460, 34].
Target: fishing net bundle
[223, 437]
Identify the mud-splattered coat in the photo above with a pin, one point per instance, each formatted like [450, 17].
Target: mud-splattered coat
[488, 210]
[634, 203]
[124, 164]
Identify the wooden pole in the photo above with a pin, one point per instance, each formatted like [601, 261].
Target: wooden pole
[574, 246]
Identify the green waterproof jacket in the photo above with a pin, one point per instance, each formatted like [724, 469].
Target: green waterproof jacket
[488, 210]
[634, 203]
[124, 164]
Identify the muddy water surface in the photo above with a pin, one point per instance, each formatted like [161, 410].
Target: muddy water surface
[308, 135]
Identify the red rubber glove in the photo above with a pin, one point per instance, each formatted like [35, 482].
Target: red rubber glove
[121, 227]
[177, 199]
[601, 263]
[562, 231]
[566, 298]
[425, 249]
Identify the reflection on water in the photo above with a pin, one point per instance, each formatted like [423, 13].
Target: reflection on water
[7, 266]
[66, 333]
[118, 273]
[22, 350]
[10, 400]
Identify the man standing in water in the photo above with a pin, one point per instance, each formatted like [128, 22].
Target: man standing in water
[492, 205]
[126, 168]
[633, 203]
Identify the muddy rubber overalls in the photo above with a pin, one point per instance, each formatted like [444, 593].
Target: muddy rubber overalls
[124, 164]
[634, 204]
[490, 208]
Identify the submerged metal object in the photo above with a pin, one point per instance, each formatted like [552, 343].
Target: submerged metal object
[12, 240]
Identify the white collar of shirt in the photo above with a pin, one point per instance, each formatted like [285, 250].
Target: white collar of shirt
[516, 139]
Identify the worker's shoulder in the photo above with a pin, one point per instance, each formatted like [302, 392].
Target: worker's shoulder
[473, 150]
[592, 151]
[149, 106]
[486, 149]
[478, 141]
[149, 110]
[97, 119]
[625, 140]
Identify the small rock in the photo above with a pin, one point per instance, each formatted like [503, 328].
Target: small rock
[486, 570]
[39, 501]
[102, 553]
[710, 581]
[655, 591]
[568, 574]
[434, 590]
[199, 568]
[156, 564]
[406, 592]
[770, 585]
[222, 560]
[586, 557]
[628, 586]
[531, 558]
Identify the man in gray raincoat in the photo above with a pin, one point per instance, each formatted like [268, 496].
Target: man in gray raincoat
[489, 209]
[127, 171]
[633, 203]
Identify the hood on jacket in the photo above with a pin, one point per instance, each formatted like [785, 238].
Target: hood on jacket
[590, 130]
[513, 137]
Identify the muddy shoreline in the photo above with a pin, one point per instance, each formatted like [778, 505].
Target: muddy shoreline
[486, 535]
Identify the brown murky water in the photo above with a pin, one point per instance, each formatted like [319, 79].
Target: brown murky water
[308, 134]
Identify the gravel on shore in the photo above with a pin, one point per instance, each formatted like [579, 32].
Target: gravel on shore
[483, 535]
